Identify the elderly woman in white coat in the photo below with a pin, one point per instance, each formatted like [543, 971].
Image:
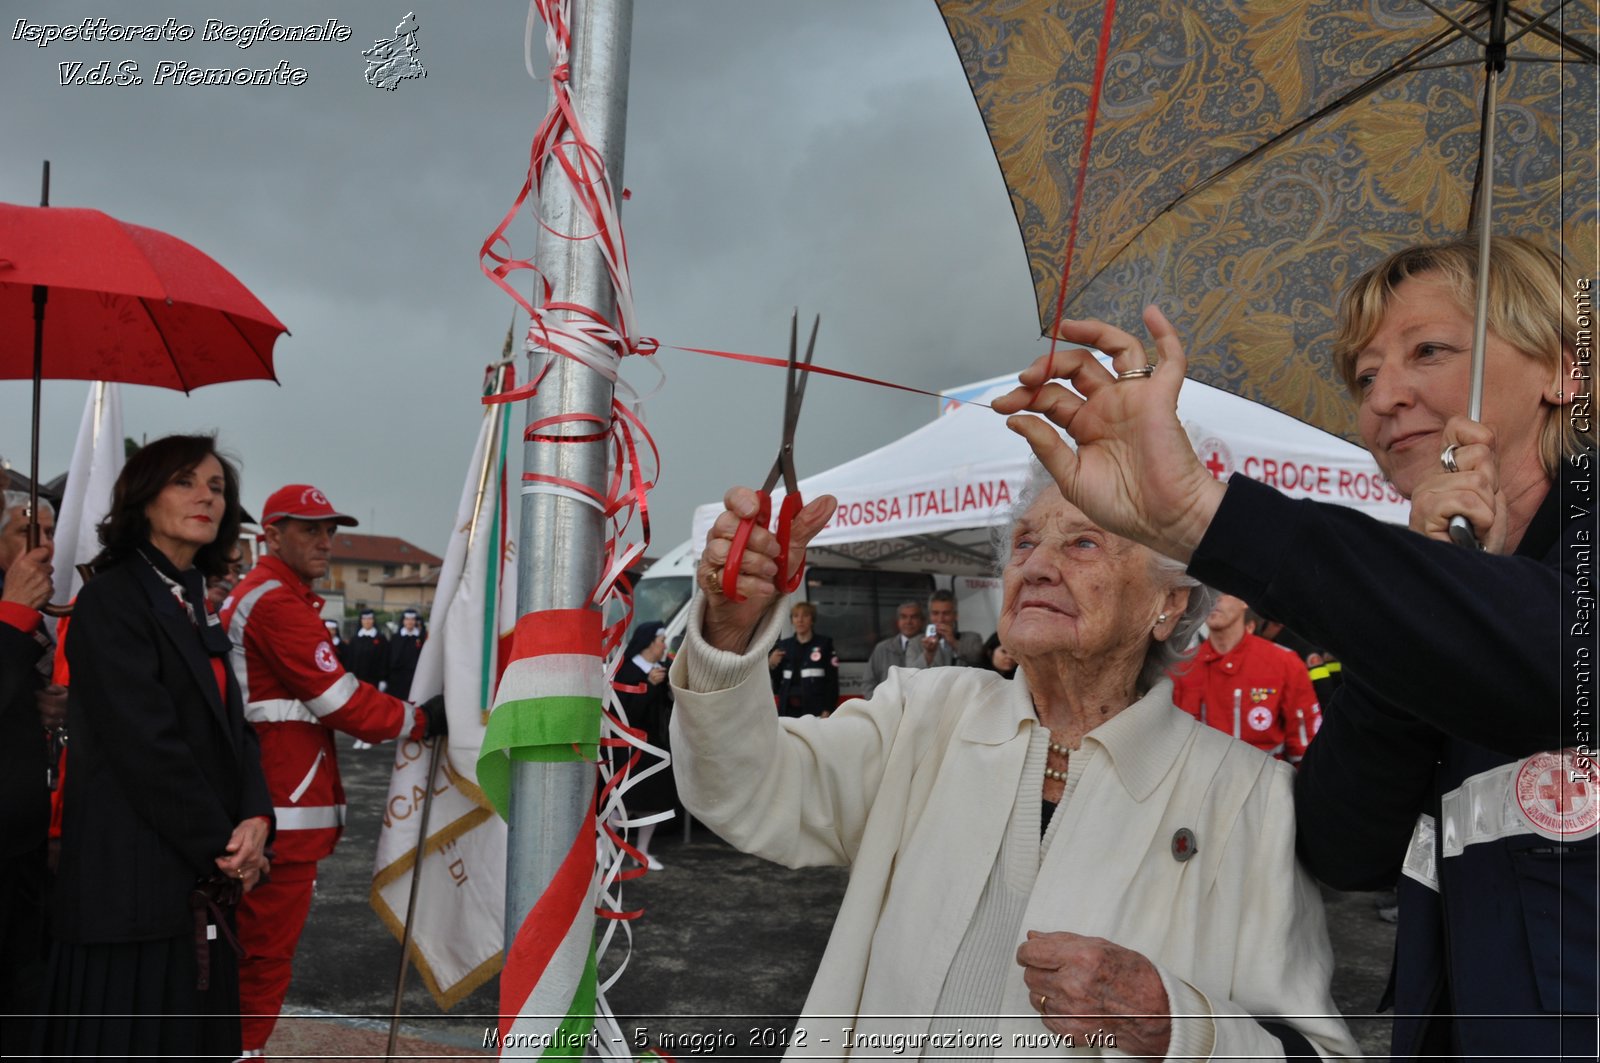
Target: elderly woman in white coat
[1059, 865]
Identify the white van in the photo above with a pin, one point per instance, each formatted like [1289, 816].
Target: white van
[856, 587]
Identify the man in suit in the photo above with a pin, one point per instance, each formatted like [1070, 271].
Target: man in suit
[903, 650]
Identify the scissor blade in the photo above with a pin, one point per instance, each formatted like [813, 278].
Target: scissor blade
[797, 387]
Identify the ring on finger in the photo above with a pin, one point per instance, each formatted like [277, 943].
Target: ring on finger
[1136, 374]
[1448, 459]
[1043, 1007]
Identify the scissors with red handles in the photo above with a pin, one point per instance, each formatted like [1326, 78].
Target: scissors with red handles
[784, 467]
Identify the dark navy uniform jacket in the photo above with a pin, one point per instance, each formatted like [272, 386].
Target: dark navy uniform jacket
[1457, 756]
[808, 675]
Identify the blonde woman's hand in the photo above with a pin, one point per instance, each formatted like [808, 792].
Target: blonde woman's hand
[1472, 491]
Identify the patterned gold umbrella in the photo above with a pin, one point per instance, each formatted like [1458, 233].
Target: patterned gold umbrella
[1238, 161]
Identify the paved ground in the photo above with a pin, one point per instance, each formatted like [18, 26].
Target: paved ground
[726, 949]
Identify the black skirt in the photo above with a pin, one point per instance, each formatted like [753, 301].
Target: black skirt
[138, 1000]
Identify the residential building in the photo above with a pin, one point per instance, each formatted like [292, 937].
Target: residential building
[381, 572]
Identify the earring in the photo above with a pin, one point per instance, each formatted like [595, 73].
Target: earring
[1162, 619]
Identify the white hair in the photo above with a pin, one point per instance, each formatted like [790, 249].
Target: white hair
[1169, 574]
[16, 500]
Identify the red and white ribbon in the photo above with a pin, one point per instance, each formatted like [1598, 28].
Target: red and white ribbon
[562, 153]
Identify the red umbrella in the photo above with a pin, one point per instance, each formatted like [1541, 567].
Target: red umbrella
[125, 303]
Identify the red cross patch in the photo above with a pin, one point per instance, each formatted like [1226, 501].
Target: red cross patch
[1558, 794]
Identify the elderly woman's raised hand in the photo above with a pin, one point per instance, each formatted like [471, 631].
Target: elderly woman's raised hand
[1082, 984]
[1134, 472]
[728, 624]
[1471, 491]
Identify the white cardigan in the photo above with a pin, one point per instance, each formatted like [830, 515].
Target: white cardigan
[913, 789]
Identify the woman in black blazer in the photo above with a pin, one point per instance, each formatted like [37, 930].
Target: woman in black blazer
[165, 791]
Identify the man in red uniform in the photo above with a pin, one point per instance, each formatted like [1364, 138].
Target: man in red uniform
[297, 694]
[1255, 690]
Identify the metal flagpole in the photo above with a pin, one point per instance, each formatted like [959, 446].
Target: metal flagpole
[559, 541]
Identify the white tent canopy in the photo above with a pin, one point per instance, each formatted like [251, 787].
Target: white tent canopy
[928, 500]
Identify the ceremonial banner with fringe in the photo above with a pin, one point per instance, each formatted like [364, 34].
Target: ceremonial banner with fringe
[458, 929]
[97, 459]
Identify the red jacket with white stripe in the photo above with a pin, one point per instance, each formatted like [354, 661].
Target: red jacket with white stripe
[1258, 692]
[296, 694]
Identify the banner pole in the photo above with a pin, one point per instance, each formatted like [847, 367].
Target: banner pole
[411, 903]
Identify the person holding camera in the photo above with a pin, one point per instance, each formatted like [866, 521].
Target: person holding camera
[963, 647]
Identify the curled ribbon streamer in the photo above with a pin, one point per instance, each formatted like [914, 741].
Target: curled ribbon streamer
[556, 701]
[560, 141]
[567, 487]
[536, 428]
[562, 492]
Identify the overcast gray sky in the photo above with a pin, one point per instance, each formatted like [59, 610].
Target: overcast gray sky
[819, 153]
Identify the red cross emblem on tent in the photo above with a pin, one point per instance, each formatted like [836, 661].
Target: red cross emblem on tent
[1556, 793]
[1215, 456]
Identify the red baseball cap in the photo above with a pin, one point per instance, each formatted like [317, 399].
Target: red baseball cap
[302, 502]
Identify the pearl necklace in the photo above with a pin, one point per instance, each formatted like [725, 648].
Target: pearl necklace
[1052, 773]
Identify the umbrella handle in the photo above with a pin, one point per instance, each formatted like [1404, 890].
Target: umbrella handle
[1461, 534]
[34, 536]
[52, 609]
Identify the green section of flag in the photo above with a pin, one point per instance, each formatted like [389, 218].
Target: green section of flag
[495, 569]
[536, 730]
[573, 1038]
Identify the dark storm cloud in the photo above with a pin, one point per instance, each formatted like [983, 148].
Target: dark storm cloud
[821, 153]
